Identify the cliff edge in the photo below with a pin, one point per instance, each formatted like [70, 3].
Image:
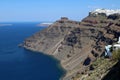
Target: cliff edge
[77, 44]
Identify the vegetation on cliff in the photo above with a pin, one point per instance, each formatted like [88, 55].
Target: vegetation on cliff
[116, 55]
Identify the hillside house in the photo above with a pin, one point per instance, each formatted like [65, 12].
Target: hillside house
[109, 48]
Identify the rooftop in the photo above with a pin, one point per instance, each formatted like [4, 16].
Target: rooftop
[106, 11]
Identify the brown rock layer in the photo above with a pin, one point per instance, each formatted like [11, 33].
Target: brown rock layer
[76, 44]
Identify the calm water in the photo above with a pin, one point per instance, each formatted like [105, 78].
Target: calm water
[20, 64]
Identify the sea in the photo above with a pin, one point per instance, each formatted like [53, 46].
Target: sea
[17, 63]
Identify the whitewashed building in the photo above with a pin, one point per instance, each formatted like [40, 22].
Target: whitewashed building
[114, 47]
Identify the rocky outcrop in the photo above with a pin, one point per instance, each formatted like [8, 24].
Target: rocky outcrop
[76, 44]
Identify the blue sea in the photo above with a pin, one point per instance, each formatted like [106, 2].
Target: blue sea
[20, 64]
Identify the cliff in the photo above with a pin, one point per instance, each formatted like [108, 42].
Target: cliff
[76, 44]
[114, 73]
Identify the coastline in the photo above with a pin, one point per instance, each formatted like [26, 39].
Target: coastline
[59, 65]
[66, 41]
[50, 43]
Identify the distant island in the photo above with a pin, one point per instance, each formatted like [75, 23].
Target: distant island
[44, 24]
[6, 24]
[80, 46]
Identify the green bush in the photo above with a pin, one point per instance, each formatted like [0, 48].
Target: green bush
[116, 54]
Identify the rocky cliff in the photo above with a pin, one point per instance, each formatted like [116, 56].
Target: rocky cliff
[76, 44]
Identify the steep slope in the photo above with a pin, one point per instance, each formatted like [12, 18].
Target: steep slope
[114, 73]
[76, 44]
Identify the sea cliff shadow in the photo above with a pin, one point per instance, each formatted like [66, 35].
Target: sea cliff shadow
[114, 73]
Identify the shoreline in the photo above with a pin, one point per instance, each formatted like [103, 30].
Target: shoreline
[59, 65]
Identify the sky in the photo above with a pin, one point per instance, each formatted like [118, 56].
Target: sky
[50, 10]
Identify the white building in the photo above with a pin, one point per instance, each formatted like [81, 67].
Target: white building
[106, 11]
[119, 40]
[108, 50]
[114, 47]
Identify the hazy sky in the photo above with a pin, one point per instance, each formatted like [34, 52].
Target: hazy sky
[50, 10]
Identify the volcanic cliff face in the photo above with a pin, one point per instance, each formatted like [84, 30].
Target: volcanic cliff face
[76, 44]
